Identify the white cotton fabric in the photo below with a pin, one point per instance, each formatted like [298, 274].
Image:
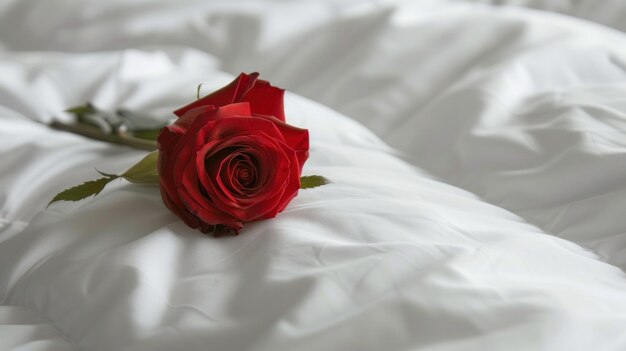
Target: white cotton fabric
[493, 221]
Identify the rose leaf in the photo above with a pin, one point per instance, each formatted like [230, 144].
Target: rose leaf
[145, 171]
[79, 192]
[312, 181]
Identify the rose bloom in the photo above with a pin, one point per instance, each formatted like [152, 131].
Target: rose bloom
[230, 157]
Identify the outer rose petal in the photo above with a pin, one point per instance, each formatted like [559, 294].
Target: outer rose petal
[266, 99]
[208, 113]
[167, 142]
[177, 207]
[296, 138]
[224, 96]
[183, 123]
[291, 187]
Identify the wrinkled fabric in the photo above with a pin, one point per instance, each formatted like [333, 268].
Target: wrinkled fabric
[494, 221]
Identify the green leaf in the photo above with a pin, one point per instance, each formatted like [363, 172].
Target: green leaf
[312, 181]
[145, 171]
[79, 192]
[149, 134]
[82, 109]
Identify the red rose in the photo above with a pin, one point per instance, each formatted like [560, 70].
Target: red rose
[230, 157]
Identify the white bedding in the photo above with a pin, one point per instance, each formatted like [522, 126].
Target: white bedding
[496, 221]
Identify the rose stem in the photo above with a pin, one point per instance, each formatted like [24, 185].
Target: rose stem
[95, 133]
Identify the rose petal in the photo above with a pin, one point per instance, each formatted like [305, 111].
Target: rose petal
[178, 208]
[186, 120]
[167, 142]
[291, 187]
[191, 194]
[212, 156]
[272, 191]
[296, 138]
[273, 167]
[266, 99]
[224, 96]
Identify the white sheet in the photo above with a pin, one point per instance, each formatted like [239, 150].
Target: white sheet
[523, 108]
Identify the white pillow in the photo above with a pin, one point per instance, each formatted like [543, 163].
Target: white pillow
[385, 257]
